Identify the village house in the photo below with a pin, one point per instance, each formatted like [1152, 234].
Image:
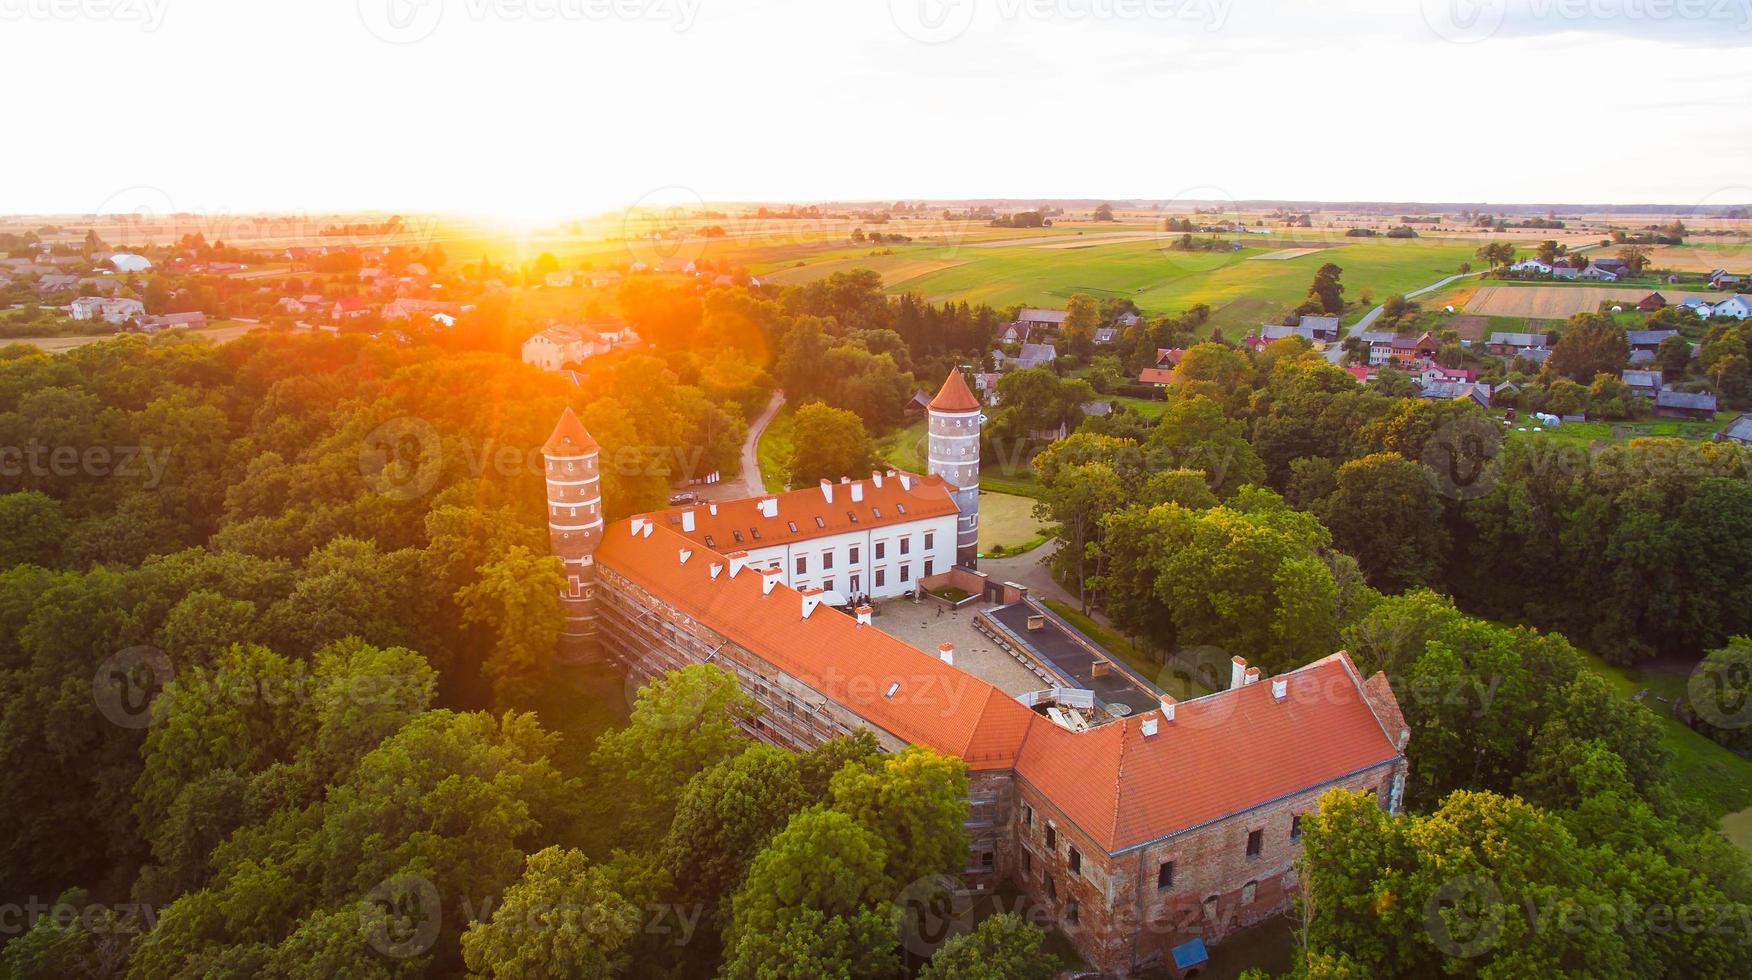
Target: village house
[54, 283]
[1685, 404]
[1033, 319]
[1738, 306]
[1648, 340]
[169, 321]
[348, 308]
[1455, 390]
[1107, 335]
[1411, 350]
[1723, 279]
[1509, 344]
[1618, 267]
[558, 346]
[1599, 273]
[1169, 356]
[1652, 302]
[1645, 384]
[1532, 265]
[1738, 432]
[1702, 308]
[105, 309]
[1565, 272]
[1030, 356]
[1158, 377]
[1380, 344]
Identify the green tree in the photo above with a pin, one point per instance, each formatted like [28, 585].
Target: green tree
[1326, 289]
[1002, 947]
[811, 944]
[725, 816]
[915, 801]
[1591, 344]
[1386, 512]
[1674, 356]
[518, 599]
[566, 918]
[829, 443]
[1082, 317]
[824, 862]
[31, 529]
[1195, 434]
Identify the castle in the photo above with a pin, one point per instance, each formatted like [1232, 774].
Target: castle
[1142, 834]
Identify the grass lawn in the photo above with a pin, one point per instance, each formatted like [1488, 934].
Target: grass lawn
[1122, 649]
[1702, 771]
[904, 448]
[1585, 434]
[774, 450]
[1008, 521]
[1149, 408]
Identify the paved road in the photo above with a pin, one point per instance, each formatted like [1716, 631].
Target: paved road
[749, 484]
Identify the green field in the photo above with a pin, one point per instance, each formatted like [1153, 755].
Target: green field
[1243, 292]
[1007, 521]
[1586, 434]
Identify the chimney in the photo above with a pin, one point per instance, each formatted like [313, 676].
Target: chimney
[686, 553]
[645, 531]
[712, 508]
[769, 507]
[1237, 672]
[769, 578]
[827, 490]
[687, 521]
[1148, 727]
[1253, 675]
[906, 481]
[946, 653]
[717, 569]
[738, 561]
[864, 613]
[845, 479]
[1280, 688]
[876, 478]
[858, 492]
[1168, 706]
[811, 599]
[638, 526]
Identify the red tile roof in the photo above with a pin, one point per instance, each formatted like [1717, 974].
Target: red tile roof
[1158, 376]
[1223, 754]
[920, 496]
[954, 396]
[569, 438]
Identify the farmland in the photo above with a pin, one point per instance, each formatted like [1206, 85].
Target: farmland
[1559, 302]
[1032, 271]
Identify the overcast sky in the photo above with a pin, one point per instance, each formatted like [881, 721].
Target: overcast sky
[549, 108]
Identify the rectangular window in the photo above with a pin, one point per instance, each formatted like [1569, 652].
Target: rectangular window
[929, 565]
[737, 535]
[988, 860]
[1051, 888]
[1071, 911]
[854, 555]
[850, 516]
[792, 525]
[1076, 860]
[881, 577]
[827, 559]
[1027, 816]
[1027, 863]
[710, 543]
[754, 532]
[877, 511]
[906, 573]
[820, 521]
[881, 550]
[1255, 841]
[855, 582]
[1165, 876]
[930, 539]
[827, 585]
[1296, 828]
[1052, 838]
[901, 509]
[906, 544]
[802, 564]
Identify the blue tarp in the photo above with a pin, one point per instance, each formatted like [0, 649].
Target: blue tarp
[1189, 954]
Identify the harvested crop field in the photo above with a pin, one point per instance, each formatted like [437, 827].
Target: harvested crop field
[1732, 256]
[1086, 241]
[1558, 302]
[1469, 327]
[1287, 253]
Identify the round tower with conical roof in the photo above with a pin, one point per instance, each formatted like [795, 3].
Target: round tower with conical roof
[574, 504]
[953, 454]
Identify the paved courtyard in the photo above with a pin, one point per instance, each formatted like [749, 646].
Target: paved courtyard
[926, 624]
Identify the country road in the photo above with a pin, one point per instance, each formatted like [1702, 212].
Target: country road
[751, 446]
[1335, 350]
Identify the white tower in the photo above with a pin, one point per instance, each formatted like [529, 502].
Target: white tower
[574, 504]
[954, 455]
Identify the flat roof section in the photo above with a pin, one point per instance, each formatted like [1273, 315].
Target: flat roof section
[1064, 649]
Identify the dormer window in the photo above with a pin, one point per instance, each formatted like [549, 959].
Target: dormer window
[710, 543]
[876, 511]
[792, 525]
[820, 521]
[754, 532]
[737, 535]
[900, 509]
[850, 516]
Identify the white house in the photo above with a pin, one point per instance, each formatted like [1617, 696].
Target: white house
[1703, 310]
[875, 537]
[109, 310]
[1737, 306]
[129, 262]
[1531, 265]
[556, 347]
[1598, 274]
